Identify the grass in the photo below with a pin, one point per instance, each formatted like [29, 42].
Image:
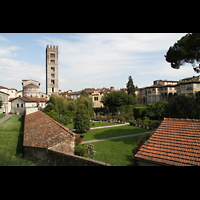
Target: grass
[1, 115]
[112, 132]
[11, 143]
[94, 124]
[118, 152]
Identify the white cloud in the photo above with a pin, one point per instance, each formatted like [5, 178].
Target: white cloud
[98, 60]
[6, 51]
[12, 72]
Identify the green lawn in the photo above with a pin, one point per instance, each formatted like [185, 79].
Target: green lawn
[94, 124]
[1, 115]
[112, 132]
[11, 143]
[118, 152]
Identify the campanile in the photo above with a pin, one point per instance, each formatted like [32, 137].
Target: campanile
[51, 70]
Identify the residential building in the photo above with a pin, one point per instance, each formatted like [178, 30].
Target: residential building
[20, 104]
[96, 95]
[175, 143]
[51, 70]
[5, 105]
[161, 90]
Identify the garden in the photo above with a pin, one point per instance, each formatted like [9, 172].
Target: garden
[116, 152]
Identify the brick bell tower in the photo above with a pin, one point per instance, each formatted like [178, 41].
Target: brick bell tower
[51, 70]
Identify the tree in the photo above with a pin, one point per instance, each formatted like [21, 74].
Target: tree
[130, 86]
[184, 107]
[185, 50]
[84, 93]
[82, 119]
[156, 111]
[118, 98]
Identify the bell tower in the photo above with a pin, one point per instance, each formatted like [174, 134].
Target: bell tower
[51, 70]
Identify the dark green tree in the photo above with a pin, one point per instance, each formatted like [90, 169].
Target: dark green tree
[184, 107]
[130, 86]
[185, 50]
[82, 119]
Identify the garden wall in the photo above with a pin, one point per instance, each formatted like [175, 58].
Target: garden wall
[44, 157]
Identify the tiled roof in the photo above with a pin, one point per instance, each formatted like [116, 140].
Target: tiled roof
[31, 99]
[43, 132]
[176, 142]
[1, 87]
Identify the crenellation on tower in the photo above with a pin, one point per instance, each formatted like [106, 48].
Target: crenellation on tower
[51, 70]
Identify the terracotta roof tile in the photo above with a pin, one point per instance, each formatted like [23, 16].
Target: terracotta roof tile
[31, 99]
[42, 131]
[176, 142]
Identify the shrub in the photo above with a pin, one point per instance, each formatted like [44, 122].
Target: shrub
[139, 121]
[90, 150]
[79, 150]
[139, 112]
[78, 141]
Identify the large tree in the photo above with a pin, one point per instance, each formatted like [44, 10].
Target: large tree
[185, 50]
[130, 86]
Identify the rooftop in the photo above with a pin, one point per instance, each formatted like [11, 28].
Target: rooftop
[176, 142]
[30, 99]
[43, 132]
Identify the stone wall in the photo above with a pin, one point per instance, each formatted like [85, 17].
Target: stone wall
[44, 157]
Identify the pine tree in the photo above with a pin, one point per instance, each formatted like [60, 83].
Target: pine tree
[130, 86]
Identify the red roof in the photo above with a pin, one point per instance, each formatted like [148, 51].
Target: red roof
[31, 99]
[42, 131]
[176, 142]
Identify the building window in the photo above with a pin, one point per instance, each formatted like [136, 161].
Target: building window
[96, 98]
[52, 82]
[52, 89]
[52, 75]
[53, 69]
[52, 55]
[17, 105]
[53, 61]
[22, 105]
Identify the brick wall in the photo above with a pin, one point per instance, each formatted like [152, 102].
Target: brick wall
[44, 157]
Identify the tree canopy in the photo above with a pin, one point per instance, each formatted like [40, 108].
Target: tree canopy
[130, 86]
[185, 50]
[118, 98]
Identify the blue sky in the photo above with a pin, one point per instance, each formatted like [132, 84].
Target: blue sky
[89, 59]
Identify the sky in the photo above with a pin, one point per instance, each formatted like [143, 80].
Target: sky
[89, 60]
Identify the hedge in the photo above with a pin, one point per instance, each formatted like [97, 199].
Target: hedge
[139, 112]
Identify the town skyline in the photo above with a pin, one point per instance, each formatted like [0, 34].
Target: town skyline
[89, 60]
